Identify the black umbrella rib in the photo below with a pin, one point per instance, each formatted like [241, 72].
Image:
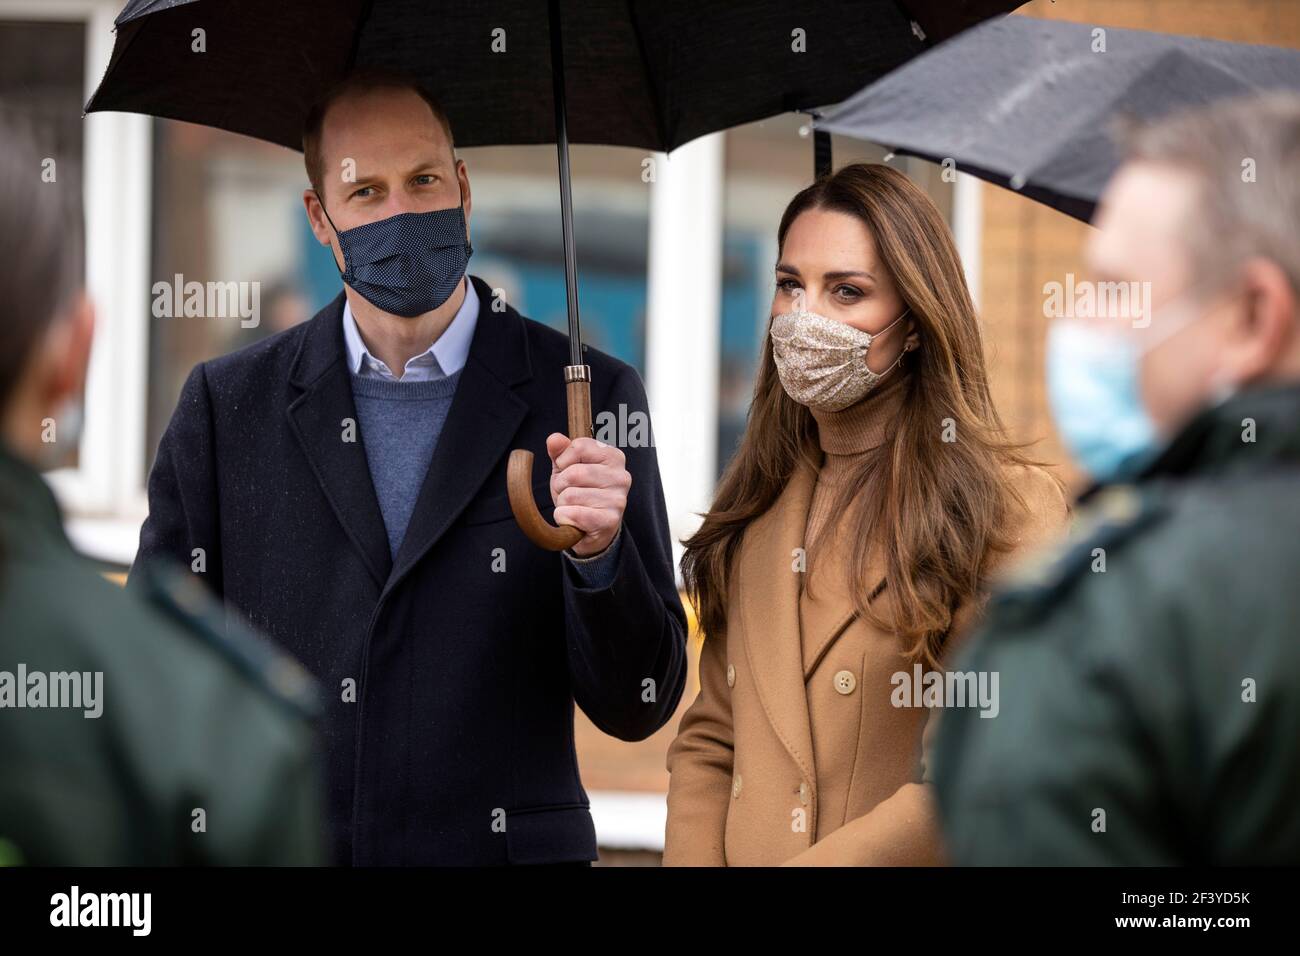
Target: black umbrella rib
[566, 189]
[656, 104]
[367, 7]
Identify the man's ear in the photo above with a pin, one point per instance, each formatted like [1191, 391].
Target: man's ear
[1266, 329]
[462, 179]
[320, 227]
[66, 353]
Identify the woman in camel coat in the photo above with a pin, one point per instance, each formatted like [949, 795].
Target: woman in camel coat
[873, 457]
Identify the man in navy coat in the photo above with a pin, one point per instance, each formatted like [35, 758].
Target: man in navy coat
[342, 486]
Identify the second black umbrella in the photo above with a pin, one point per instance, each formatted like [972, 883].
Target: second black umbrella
[1026, 103]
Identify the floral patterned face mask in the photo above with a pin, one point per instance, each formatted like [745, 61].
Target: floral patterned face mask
[823, 363]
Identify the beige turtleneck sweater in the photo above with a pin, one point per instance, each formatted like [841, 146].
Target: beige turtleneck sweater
[846, 437]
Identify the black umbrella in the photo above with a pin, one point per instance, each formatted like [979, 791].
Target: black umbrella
[652, 74]
[1026, 103]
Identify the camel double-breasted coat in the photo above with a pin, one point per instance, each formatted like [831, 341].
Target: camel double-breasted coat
[798, 756]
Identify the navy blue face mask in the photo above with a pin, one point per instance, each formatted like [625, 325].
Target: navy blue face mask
[407, 264]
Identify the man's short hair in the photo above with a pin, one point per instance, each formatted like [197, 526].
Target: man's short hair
[359, 81]
[1245, 153]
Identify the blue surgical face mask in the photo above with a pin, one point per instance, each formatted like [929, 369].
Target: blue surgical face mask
[68, 423]
[1095, 398]
[407, 264]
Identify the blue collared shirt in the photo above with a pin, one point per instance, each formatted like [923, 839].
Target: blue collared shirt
[445, 357]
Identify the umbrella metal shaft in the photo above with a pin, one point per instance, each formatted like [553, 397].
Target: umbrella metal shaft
[566, 189]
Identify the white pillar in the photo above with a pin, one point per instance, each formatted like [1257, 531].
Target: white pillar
[117, 160]
[118, 173]
[683, 326]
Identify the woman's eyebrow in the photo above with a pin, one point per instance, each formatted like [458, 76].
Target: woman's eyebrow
[829, 276]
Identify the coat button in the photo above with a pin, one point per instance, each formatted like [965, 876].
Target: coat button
[845, 682]
[735, 786]
[731, 675]
[804, 793]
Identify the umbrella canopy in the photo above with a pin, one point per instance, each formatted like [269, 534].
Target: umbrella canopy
[652, 74]
[1026, 103]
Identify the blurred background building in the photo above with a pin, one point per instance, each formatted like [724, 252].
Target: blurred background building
[676, 278]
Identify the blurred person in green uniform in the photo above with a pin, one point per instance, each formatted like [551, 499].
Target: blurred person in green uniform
[1150, 667]
[133, 728]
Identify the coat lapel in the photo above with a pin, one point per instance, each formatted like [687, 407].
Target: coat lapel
[768, 585]
[826, 609]
[317, 420]
[484, 416]
[776, 624]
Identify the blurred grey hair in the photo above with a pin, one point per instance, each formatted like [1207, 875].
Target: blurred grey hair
[1234, 219]
[40, 248]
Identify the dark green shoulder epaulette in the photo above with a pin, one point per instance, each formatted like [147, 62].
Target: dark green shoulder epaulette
[1115, 515]
[185, 600]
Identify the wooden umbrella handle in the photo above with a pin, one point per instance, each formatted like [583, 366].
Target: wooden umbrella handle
[519, 469]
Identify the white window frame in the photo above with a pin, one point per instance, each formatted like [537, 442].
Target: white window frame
[103, 497]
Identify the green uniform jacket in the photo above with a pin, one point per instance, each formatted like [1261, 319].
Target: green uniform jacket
[203, 750]
[1149, 671]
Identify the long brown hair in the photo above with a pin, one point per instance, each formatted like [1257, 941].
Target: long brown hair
[938, 507]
